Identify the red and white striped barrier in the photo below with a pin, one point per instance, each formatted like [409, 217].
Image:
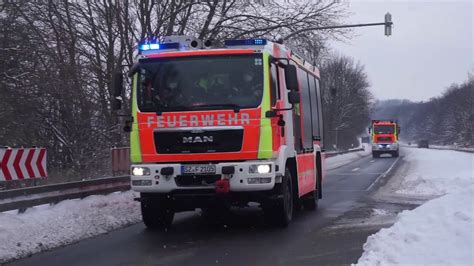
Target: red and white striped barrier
[18, 164]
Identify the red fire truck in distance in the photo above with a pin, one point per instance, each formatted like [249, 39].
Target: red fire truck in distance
[384, 137]
[212, 128]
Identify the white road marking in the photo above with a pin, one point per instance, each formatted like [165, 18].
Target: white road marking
[343, 174]
[355, 169]
[372, 161]
[383, 175]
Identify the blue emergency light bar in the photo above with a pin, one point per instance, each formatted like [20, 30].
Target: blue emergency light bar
[245, 42]
[150, 44]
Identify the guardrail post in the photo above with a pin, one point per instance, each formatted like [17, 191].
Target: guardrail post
[120, 160]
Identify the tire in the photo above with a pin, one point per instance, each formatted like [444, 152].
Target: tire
[310, 203]
[280, 211]
[156, 217]
[375, 155]
[395, 154]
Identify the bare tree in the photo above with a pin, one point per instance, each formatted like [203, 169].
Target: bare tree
[347, 101]
[59, 58]
[444, 120]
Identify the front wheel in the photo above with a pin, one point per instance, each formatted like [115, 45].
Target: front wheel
[311, 202]
[280, 212]
[375, 154]
[395, 154]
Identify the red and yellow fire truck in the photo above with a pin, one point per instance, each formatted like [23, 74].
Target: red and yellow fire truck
[216, 127]
[384, 137]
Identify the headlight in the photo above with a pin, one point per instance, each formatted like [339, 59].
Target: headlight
[140, 171]
[260, 169]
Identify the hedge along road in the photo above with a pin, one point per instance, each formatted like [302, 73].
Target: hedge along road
[240, 238]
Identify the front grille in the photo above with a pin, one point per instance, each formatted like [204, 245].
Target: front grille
[198, 141]
[196, 180]
[383, 146]
[384, 139]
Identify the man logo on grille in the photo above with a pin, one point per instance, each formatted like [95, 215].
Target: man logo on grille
[198, 139]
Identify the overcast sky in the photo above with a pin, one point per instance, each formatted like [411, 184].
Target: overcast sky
[430, 48]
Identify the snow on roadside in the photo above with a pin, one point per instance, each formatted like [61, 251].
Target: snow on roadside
[343, 159]
[46, 227]
[439, 232]
[436, 172]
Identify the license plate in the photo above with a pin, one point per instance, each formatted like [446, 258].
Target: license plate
[198, 169]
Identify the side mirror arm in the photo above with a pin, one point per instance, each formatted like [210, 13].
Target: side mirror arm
[273, 112]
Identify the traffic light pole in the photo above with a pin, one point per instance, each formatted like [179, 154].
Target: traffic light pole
[388, 27]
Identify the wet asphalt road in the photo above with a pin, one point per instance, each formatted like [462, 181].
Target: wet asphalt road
[242, 238]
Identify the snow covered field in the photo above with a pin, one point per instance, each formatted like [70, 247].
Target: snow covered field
[46, 227]
[436, 172]
[439, 232]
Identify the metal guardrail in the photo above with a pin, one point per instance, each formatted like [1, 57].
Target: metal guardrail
[454, 149]
[435, 147]
[33, 196]
[22, 198]
[334, 153]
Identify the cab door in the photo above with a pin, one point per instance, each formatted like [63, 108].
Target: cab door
[305, 157]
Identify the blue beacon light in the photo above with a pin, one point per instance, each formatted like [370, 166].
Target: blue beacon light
[245, 42]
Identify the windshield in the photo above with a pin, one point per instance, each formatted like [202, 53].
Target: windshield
[204, 82]
[384, 129]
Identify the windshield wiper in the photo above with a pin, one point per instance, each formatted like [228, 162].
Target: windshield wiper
[173, 109]
[232, 106]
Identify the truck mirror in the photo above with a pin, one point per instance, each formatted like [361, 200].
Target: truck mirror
[117, 84]
[370, 130]
[128, 126]
[291, 78]
[116, 104]
[293, 97]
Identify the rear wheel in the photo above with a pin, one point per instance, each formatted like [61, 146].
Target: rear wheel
[155, 213]
[280, 211]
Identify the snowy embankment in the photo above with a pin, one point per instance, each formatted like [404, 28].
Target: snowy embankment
[46, 227]
[343, 159]
[452, 147]
[439, 232]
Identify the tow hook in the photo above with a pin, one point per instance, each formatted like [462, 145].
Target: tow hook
[222, 186]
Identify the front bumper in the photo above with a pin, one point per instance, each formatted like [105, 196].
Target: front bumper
[240, 181]
[385, 147]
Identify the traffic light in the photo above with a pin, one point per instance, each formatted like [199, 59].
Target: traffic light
[388, 24]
